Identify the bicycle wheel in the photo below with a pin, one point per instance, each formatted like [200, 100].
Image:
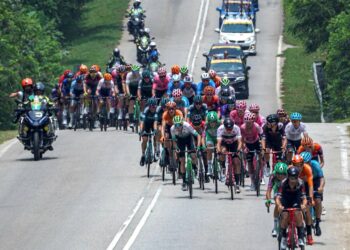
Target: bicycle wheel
[231, 188]
[148, 169]
[243, 170]
[201, 172]
[163, 173]
[216, 175]
[257, 177]
[189, 183]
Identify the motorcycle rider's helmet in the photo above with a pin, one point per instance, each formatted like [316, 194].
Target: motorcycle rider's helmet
[39, 88]
[146, 31]
[153, 45]
[27, 82]
[116, 52]
[137, 3]
[154, 56]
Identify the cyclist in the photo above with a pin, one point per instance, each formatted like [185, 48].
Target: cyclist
[148, 124]
[181, 101]
[197, 108]
[145, 88]
[224, 95]
[227, 108]
[105, 90]
[259, 119]
[294, 130]
[160, 83]
[229, 139]
[184, 72]
[206, 81]
[305, 173]
[214, 77]
[283, 117]
[120, 90]
[132, 84]
[160, 110]
[188, 88]
[182, 134]
[175, 83]
[278, 175]
[63, 76]
[319, 183]
[273, 139]
[76, 92]
[314, 148]
[291, 194]
[237, 116]
[225, 85]
[65, 95]
[91, 81]
[152, 48]
[83, 70]
[251, 133]
[209, 137]
[210, 99]
[174, 70]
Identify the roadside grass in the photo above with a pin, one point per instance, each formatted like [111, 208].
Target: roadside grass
[97, 33]
[298, 93]
[7, 135]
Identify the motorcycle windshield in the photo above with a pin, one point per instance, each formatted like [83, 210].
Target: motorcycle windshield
[36, 104]
[153, 67]
[35, 115]
[144, 42]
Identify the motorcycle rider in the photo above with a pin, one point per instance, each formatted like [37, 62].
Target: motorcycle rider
[27, 90]
[76, 91]
[135, 10]
[116, 58]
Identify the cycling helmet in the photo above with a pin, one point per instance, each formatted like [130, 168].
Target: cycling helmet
[153, 44]
[212, 116]
[27, 82]
[171, 104]
[225, 92]
[154, 55]
[70, 75]
[177, 93]
[135, 68]
[152, 102]
[212, 73]
[241, 105]
[307, 141]
[188, 79]
[93, 69]
[83, 69]
[228, 123]
[178, 120]
[146, 31]
[65, 73]
[114, 73]
[225, 81]
[81, 78]
[306, 156]
[209, 90]
[273, 118]
[281, 113]
[175, 69]
[280, 168]
[184, 70]
[121, 68]
[254, 108]
[116, 52]
[176, 78]
[146, 74]
[39, 86]
[296, 116]
[196, 120]
[205, 76]
[293, 172]
[297, 159]
[107, 77]
[197, 99]
[249, 117]
[162, 71]
[164, 101]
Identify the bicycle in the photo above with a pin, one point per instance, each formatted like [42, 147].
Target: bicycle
[216, 169]
[136, 115]
[201, 174]
[91, 115]
[77, 114]
[190, 175]
[258, 170]
[230, 175]
[103, 116]
[149, 151]
[122, 124]
[243, 170]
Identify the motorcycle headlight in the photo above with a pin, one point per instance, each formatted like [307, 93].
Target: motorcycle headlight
[240, 79]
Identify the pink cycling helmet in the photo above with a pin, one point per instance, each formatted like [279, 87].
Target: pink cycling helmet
[162, 71]
[176, 93]
[254, 108]
[212, 73]
[241, 105]
[114, 73]
[249, 117]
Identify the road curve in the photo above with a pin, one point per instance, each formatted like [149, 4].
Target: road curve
[90, 193]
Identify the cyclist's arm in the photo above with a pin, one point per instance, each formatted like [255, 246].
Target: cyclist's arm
[163, 128]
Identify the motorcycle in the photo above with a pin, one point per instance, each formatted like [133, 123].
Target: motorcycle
[36, 128]
[135, 24]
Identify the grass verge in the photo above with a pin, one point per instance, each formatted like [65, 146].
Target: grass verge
[97, 33]
[298, 84]
[7, 135]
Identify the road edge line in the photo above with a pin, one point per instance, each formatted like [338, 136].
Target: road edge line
[279, 71]
[9, 143]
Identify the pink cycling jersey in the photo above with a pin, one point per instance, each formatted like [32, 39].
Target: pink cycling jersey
[260, 120]
[238, 120]
[160, 83]
[251, 135]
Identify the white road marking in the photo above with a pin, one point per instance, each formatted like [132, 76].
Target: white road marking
[346, 204]
[125, 225]
[278, 71]
[8, 146]
[142, 221]
[200, 37]
[343, 153]
[195, 33]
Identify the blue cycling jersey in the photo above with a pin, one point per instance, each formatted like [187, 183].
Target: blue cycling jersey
[201, 86]
[317, 171]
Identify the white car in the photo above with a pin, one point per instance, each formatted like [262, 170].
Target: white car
[239, 31]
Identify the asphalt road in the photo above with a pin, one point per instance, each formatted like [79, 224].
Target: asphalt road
[90, 193]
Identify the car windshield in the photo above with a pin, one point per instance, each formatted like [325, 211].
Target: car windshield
[237, 28]
[227, 67]
[232, 52]
[236, 7]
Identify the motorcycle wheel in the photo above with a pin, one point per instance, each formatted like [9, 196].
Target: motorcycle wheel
[36, 146]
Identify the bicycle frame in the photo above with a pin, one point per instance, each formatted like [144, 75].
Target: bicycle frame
[292, 236]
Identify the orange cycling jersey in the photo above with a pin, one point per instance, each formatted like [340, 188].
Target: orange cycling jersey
[169, 119]
[306, 175]
[217, 80]
[316, 150]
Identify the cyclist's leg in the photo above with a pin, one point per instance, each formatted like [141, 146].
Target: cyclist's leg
[210, 145]
[71, 111]
[250, 158]
[290, 150]
[131, 110]
[236, 163]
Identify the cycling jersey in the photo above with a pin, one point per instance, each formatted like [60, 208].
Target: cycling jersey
[160, 110]
[189, 92]
[294, 134]
[161, 84]
[228, 137]
[251, 135]
[316, 150]
[201, 86]
[119, 80]
[273, 138]
[92, 83]
[218, 91]
[148, 118]
[225, 110]
[317, 171]
[202, 111]
[65, 88]
[77, 89]
[168, 118]
[186, 131]
[182, 103]
[146, 89]
[132, 81]
[291, 197]
[260, 120]
[216, 80]
[306, 175]
[210, 134]
[105, 88]
[171, 87]
[274, 183]
[236, 118]
[212, 103]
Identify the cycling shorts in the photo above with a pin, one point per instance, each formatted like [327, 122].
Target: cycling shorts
[293, 145]
[253, 146]
[317, 183]
[183, 143]
[232, 147]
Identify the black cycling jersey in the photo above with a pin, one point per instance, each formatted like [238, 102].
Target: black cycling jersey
[193, 111]
[148, 118]
[274, 137]
[160, 111]
[119, 83]
[146, 89]
[291, 197]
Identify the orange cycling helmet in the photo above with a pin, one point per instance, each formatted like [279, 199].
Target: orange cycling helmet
[175, 69]
[307, 141]
[209, 90]
[171, 104]
[107, 77]
[297, 159]
[83, 69]
[27, 82]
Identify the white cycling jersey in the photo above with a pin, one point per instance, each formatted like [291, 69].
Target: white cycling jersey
[294, 134]
[229, 137]
[184, 132]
